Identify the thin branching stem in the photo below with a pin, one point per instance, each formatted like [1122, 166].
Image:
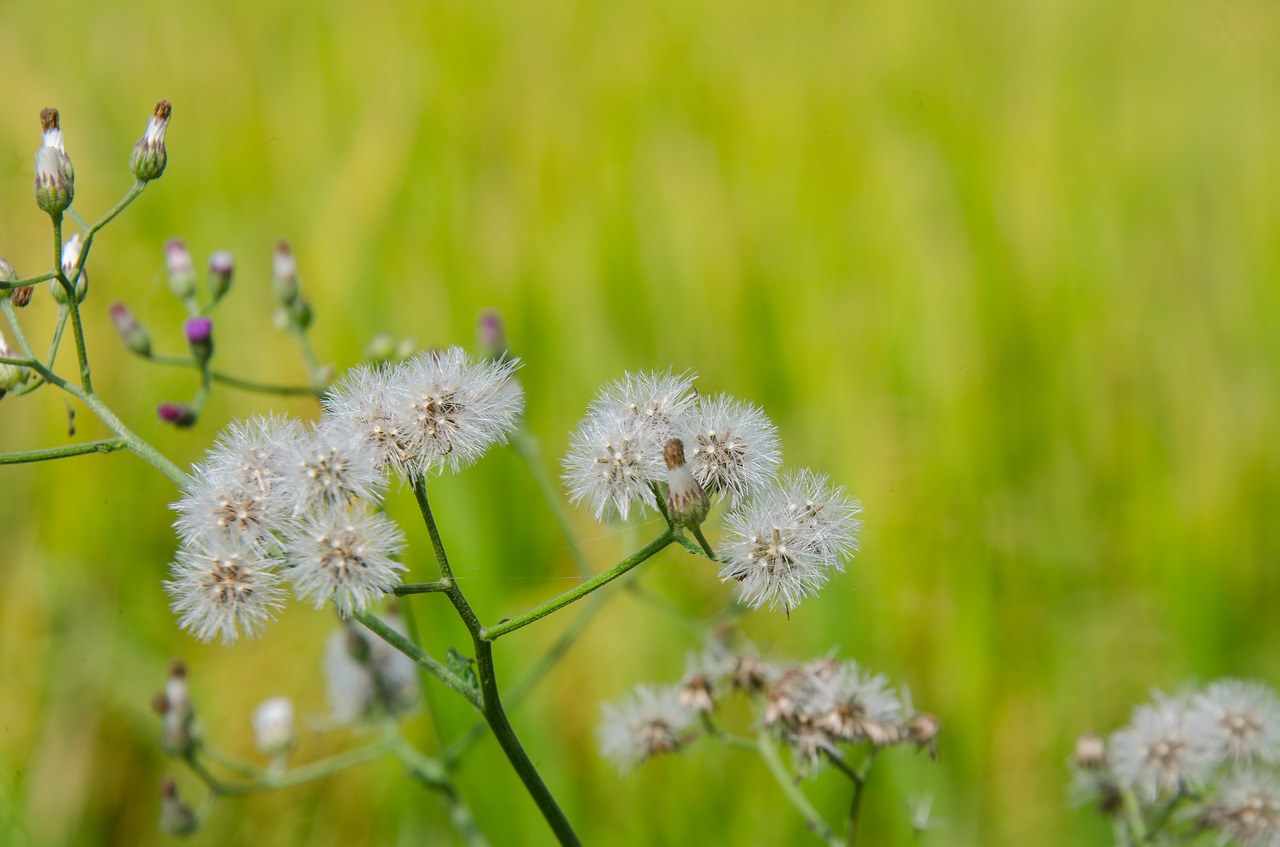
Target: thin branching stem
[787, 784]
[105, 445]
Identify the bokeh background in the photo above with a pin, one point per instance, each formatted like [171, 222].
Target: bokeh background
[1008, 271]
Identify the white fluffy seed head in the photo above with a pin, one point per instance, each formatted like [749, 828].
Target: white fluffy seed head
[360, 403]
[733, 447]
[219, 590]
[1158, 755]
[332, 466]
[783, 546]
[344, 555]
[612, 462]
[451, 410]
[651, 722]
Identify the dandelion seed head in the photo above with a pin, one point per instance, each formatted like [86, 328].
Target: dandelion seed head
[333, 466]
[217, 591]
[452, 410]
[361, 404]
[1246, 810]
[649, 723]
[612, 461]
[1156, 755]
[1242, 720]
[344, 555]
[733, 447]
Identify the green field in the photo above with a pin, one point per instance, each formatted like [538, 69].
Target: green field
[1007, 271]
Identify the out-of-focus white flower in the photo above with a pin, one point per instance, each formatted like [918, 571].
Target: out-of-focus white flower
[365, 674]
[857, 706]
[1157, 755]
[1241, 719]
[1246, 810]
[273, 726]
[651, 722]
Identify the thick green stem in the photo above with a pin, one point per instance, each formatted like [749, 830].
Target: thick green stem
[423, 588]
[790, 790]
[491, 703]
[106, 445]
[647, 552]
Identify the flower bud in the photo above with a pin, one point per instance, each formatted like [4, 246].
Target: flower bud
[300, 313]
[70, 258]
[284, 274]
[22, 295]
[1091, 752]
[687, 502]
[182, 273]
[179, 414]
[493, 335]
[176, 817]
[199, 332]
[11, 376]
[131, 332]
[273, 730]
[177, 718]
[55, 182]
[923, 729]
[149, 157]
[221, 266]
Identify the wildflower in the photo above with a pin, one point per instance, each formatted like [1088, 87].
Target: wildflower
[657, 400]
[239, 493]
[783, 546]
[345, 555]
[221, 266]
[733, 447]
[11, 376]
[852, 705]
[131, 332]
[55, 179]
[177, 718]
[650, 723]
[1242, 719]
[922, 729]
[219, 591]
[273, 729]
[330, 466]
[1091, 752]
[360, 406]
[148, 159]
[71, 249]
[179, 414]
[1246, 810]
[1157, 755]
[366, 674]
[180, 269]
[284, 274]
[176, 817]
[452, 410]
[687, 503]
[612, 462]
[199, 332]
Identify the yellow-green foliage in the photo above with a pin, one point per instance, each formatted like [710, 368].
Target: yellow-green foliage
[1006, 270]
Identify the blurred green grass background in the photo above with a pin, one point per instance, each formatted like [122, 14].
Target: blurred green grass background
[1005, 270]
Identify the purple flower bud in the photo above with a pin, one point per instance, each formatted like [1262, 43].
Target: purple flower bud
[221, 266]
[182, 273]
[134, 336]
[493, 335]
[199, 333]
[178, 414]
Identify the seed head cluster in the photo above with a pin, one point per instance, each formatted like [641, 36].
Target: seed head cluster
[817, 709]
[1212, 752]
[277, 501]
[784, 536]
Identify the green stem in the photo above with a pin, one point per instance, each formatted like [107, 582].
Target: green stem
[266, 781]
[105, 445]
[31, 280]
[238, 382]
[786, 782]
[491, 703]
[859, 778]
[647, 552]
[433, 666]
[422, 588]
[706, 545]
[309, 357]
